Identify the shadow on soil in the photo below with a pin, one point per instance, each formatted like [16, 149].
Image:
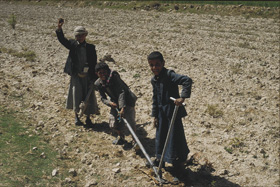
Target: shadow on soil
[204, 178]
[148, 143]
[140, 132]
[200, 178]
[101, 127]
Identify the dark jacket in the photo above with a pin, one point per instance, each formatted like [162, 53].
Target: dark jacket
[117, 90]
[71, 62]
[165, 86]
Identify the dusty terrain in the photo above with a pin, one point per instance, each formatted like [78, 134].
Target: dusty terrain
[233, 124]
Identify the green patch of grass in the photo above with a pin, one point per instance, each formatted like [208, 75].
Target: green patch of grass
[137, 75]
[195, 134]
[265, 155]
[247, 3]
[246, 45]
[255, 95]
[124, 177]
[229, 150]
[214, 111]
[236, 143]
[213, 183]
[122, 70]
[236, 69]
[25, 159]
[12, 21]
[136, 2]
[265, 9]
[28, 55]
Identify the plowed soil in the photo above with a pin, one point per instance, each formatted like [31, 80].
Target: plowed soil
[233, 124]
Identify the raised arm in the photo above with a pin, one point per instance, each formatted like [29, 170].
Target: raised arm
[60, 36]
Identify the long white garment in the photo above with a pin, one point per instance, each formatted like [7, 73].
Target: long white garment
[77, 92]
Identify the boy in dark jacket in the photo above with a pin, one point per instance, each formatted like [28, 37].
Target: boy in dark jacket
[121, 99]
[80, 66]
[165, 85]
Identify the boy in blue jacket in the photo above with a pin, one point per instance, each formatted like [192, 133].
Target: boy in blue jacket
[165, 85]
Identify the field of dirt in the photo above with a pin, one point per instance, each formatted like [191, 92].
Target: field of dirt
[233, 124]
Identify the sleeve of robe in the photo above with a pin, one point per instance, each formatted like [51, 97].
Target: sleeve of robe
[122, 90]
[102, 93]
[155, 102]
[64, 41]
[183, 80]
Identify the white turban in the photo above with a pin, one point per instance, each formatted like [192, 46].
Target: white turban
[80, 30]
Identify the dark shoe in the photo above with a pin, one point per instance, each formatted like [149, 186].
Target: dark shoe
[89, 123]
[176, 179]
[156, 163]
[119, 141]
[179, 177]
[79, 123]
[136, 147]
[127, 146]
[178, 172]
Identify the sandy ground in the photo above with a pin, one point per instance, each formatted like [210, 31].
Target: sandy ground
[233, 124]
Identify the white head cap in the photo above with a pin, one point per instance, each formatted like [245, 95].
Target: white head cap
[80, 30]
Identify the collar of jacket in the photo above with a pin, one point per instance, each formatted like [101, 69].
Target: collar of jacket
[107, 82]
[161, 74]
[81, 44]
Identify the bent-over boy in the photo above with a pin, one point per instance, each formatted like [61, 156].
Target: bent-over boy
[121, 100]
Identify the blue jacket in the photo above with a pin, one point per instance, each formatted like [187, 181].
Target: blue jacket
[71, 62]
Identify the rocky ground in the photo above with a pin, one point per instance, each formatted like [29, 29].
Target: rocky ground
[233, 124]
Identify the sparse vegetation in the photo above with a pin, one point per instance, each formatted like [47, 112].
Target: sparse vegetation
[137, 75]
[255, 95]
[265, 9]
[236, 143]
[213, 184]
[122, 70]
[12, 21]
[228, 149]
[236, 69]
[28, 55]
[246, 45]
[214, 111]
[26, 160]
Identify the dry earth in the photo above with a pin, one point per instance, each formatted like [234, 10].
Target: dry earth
[233, 124]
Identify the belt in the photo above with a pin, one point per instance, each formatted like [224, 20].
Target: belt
[82, 75]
